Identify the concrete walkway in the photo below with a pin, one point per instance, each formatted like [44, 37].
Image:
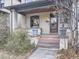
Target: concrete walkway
[44, 53]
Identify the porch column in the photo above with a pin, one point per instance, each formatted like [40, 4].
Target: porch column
[59, 23]
[13, 19]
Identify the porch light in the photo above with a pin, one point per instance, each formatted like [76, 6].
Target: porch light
[47, 20]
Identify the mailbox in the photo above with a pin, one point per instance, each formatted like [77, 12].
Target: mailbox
[36, 31]
[62, 32]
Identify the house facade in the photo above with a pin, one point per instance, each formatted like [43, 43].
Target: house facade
[39, 17]
[4, 21]
[42, 15]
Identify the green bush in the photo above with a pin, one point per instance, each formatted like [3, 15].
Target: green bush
[19, 42]
[3, 37]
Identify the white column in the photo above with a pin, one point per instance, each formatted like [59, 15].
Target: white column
[59, 23]
[63, 43]
[13, 19]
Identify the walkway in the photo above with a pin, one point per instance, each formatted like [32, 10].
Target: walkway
[44, 53]
[47, 47]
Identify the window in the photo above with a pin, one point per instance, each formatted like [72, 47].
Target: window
[1, 3]
[28, 1]
[19, 0]
[34, 21]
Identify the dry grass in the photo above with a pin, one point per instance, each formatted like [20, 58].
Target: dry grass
[6, 55]
[68, 54]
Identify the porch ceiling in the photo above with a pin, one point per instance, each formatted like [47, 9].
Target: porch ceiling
[32, 7]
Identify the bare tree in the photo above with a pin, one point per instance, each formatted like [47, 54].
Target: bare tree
[68, 13]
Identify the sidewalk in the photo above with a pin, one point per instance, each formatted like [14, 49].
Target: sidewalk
[44, 53]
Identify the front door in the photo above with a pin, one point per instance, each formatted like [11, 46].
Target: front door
[53, 24]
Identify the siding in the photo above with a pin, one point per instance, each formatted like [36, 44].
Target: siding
[14, 2]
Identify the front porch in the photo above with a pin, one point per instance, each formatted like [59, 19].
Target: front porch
[48, 31]
[41, 18]
[46, 23]
[42, 23]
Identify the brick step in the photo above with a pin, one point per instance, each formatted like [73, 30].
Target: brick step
[49, 41]
[53, 41]
[50, 35]
[53, 45]
[49, 38]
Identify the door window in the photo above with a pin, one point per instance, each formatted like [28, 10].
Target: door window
[53, 24]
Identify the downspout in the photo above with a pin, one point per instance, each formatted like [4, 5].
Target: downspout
[76, 37]
[11, 19]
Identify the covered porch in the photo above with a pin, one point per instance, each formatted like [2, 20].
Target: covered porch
[41, 18]
[42, 23]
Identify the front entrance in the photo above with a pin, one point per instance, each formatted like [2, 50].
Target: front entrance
[53, 24]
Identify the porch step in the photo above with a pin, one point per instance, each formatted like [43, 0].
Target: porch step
[49, 36]
[56, 46]
[45, 38]
[51, 44]
[49, 41]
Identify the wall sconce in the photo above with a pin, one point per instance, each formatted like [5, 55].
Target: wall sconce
[47, 20]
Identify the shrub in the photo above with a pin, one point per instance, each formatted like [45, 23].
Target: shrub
[4, 33]
[19, 42]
